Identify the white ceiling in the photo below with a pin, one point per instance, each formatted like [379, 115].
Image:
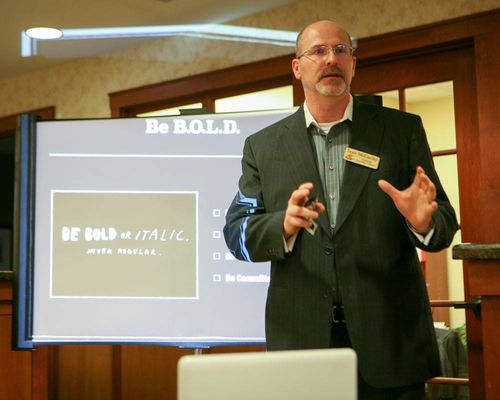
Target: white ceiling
[18, 15]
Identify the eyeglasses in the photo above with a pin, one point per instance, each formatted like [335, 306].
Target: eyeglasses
[321, 52]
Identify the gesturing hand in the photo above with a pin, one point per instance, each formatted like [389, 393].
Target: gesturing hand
[296, 215]
[417, 203]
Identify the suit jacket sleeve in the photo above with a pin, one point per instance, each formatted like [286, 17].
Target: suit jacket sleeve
[252, 233]
[444, 217]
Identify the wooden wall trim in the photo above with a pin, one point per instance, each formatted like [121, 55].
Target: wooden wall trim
[40, 373]
[9, 123]
[436, 37]
[6, 291]
[5, 298]
[199, 85]
[116, 372]
[487, 55]
[449, 31]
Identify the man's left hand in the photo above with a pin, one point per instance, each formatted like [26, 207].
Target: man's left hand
[417, 203]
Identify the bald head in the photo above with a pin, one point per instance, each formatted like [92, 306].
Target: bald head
[325, 75]
[315, 27]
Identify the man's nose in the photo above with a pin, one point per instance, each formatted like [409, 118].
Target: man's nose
[330, 57]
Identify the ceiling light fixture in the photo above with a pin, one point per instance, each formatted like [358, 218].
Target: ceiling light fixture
[44, 33]
[208, 31]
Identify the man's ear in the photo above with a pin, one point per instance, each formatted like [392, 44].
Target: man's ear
[296, 68]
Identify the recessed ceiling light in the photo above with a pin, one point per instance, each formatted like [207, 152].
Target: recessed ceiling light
[44, 33]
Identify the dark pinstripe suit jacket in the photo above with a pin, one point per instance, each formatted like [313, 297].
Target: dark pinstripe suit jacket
[372, 251]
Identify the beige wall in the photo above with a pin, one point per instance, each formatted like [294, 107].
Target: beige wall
[79, 89]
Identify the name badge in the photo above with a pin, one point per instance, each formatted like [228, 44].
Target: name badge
[361, 158]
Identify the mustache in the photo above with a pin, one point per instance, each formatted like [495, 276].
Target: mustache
[332, 71]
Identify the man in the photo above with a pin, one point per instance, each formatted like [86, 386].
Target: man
[337, 196]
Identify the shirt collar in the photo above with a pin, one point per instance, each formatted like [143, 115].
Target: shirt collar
[347, 115]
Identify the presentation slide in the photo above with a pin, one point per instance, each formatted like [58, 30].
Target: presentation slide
[128, 232]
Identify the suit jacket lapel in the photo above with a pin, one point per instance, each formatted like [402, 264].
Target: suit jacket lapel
[366, 135]
[300, 155]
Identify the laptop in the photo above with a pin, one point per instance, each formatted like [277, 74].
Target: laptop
[292, 375]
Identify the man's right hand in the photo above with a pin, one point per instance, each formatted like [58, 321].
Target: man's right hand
[297, 216]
